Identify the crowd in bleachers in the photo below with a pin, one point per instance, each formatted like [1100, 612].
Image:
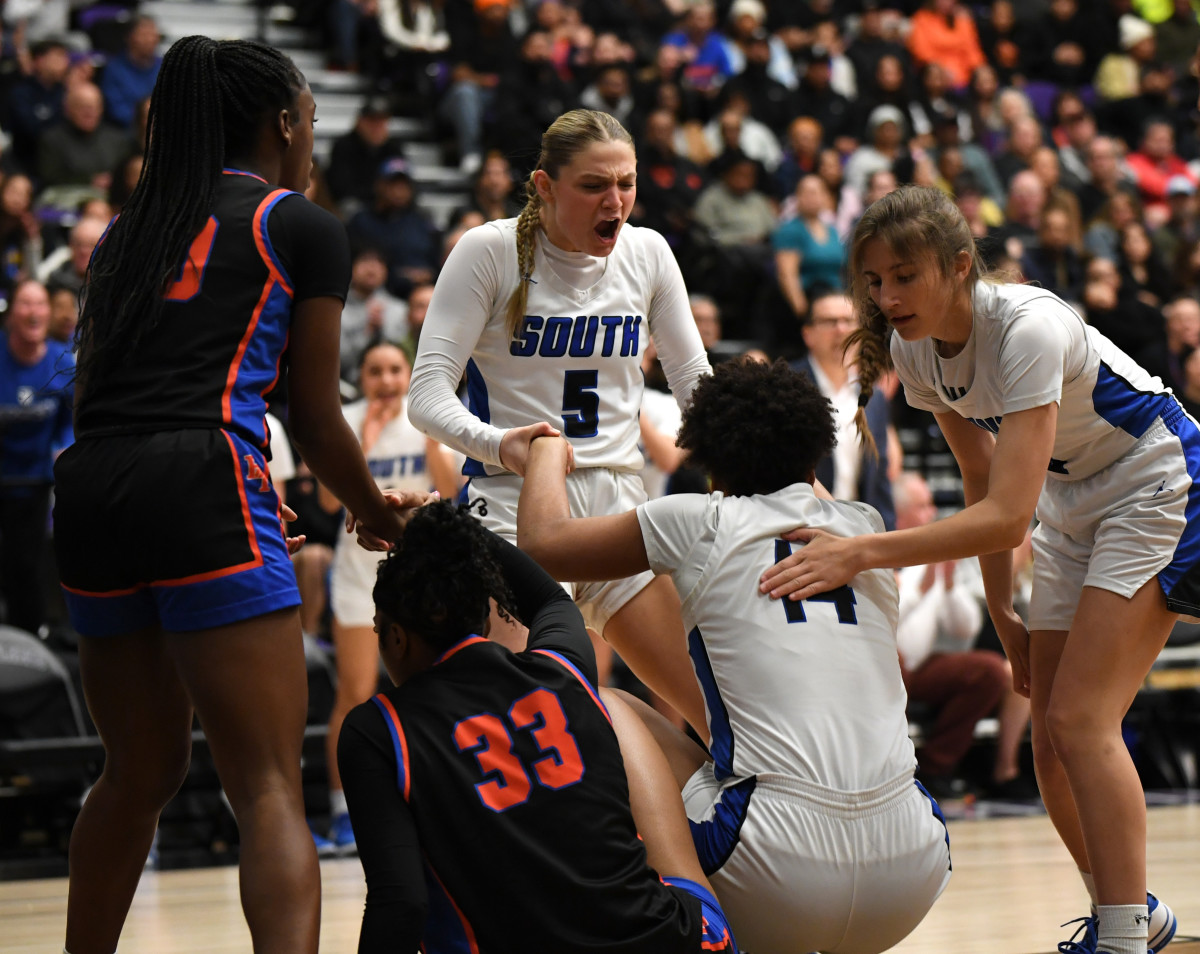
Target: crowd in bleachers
[1064, 129]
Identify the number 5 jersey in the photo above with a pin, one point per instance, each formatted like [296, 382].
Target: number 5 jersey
[575, 358]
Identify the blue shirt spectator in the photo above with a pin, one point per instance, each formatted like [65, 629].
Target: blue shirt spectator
[397, 228]
[36, 102]
[129, 77]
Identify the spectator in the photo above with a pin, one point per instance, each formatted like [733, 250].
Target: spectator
[1025, 138]
[935, 104]
[493, 193]
[358, 154]
[1165, 357]
[890, 87]
[483, 46]
[1105, 177]
[1118, 73]
[884, 146]
[1073, 132]
[1116, 312]
[1177, 37]
[1044, 164]
[940, 618]
[82, 149]
[800, 155]
[1022, 214]
[129, 76]
[1004, 42]
[732, 209]
[414, 32]
[395, 226]
[36, 102]
[36, 399]
[1153, 165]
[704, 52]
[125, 178]
[808, 252]
[1142, 271]
[418, 307]
[707, 315]
[944, 32]
[770, 101]
[1065, 45]
[21, 239]
[1181, 227]
[1055, 261]
[947, 131]
[610, 93]
[871, 45]
[370, 313]
[735, 128]
[850, 472]
[983, 104]
[532, 95]
[747, 28]
[64, 315]
[70, 272]
[817, 98]
[668, 184]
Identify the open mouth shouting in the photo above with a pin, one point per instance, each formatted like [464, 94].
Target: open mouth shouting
[607, 230]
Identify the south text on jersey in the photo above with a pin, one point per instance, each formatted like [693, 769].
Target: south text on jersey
[577, 337]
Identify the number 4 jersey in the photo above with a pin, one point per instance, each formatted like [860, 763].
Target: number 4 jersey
[216, 348]
[574, 360]
[810, 690]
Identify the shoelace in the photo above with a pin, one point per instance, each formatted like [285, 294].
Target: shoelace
[1088, 929]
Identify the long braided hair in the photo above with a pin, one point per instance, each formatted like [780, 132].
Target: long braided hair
[565, 138]
[208, 106]
[917, 224]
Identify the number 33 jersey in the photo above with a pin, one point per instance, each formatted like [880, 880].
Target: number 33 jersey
[809, 689]
[574, 360]
[217, 346]
[514, 778]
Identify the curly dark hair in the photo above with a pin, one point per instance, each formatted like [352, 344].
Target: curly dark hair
[437, 580]
[756, 428]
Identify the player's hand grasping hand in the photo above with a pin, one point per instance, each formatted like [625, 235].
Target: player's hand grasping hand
[288, 515]
[404, 503]
[824, 563]
[514, 446]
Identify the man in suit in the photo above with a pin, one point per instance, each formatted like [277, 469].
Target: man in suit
[851, 472]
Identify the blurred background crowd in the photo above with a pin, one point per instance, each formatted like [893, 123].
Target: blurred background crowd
[1066, 131]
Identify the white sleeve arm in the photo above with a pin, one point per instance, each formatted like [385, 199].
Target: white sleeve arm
[917, 628]
[459, 310]
[672, 326]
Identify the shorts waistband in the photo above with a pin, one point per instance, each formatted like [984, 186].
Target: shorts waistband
[831, 801]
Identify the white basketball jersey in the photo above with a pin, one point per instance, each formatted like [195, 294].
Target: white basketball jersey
[1028, 348]
[575, 360]
[810, 689]
[397, 458]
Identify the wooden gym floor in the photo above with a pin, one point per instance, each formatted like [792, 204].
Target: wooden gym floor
[1013, 884]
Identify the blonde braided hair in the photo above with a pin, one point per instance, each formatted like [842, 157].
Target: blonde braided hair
[565, 138]
[917, 224]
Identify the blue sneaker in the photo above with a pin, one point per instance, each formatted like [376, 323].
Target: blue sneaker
[325, 847]
[1163, 925]
[342, 835]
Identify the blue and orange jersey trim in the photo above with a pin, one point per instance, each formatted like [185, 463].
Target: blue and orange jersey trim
[452, 931]
[263, 241]
[399, 741]
[458, 647]
[574, 670]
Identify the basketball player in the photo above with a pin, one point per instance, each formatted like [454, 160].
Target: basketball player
[491, 800]
[1041, 411]
[400, 458]
[806, 815]
[548, 314]
[167, 529]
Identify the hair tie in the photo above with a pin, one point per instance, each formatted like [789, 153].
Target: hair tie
[864, 398]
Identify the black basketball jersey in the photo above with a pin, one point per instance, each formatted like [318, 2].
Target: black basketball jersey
[512, 774]
[217, 346]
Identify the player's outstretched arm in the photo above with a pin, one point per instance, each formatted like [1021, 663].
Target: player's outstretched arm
[582, 548]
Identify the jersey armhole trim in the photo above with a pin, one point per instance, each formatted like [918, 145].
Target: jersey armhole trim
[574, 670]
[399, 741]
[262, 239]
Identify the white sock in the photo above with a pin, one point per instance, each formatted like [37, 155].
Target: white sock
[1090, 883]
[337, 803]
[1123, 928]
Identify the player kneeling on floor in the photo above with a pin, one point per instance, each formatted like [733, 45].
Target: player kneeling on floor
[498, 798]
